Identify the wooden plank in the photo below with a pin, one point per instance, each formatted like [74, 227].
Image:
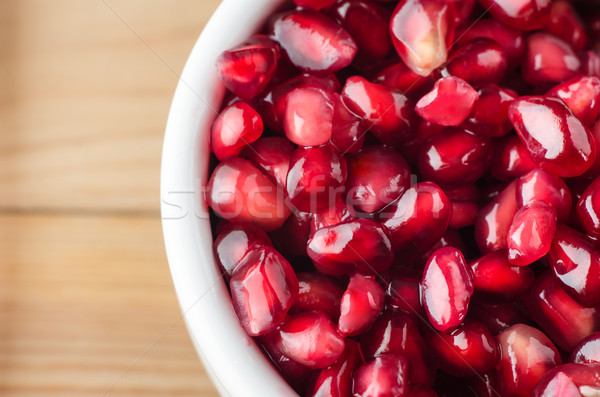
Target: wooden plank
[84, 99]
[82, 299]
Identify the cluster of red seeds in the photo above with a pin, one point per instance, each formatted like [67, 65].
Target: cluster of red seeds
[410, 196]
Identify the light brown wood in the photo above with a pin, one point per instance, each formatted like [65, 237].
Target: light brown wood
[87, 306]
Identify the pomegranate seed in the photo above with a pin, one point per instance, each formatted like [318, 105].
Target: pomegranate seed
[377, 175]
[588, 350]
[462, 10]
[361, 305]
[565, 148]
[314, 4]
[447, 286]
[582, 96]
[400, 77]
[538, 185]
[530, 235]
[561, 317]
[497, 316]
[549, 60]
[234, 242]
[449, 103]
[336, 381]
[577, 380]
[348, 130]
[313, 42]
[263, 288]
[454, 158]
[385, 376]
[247, 69]
[272, 155]
[494, 220]
[526, 354]
[494, 274]
[238, 125]
[310, 339]
[308, 116]
[404, 293]
[575, 261]
[419, 218]
[588, 208]
[339, 213]
[511, 159]
[397, 333]
[479, 62]
[520, 14]
[367, 23]
[464, 214]
[489, 117]
[239, 192]
[316, 177]
[388, 113]
[467, 350]
[359, 246]
[410, 149]
[510, 39]
[293, 236]
[422, 31]
[317, 291]
[567, 25]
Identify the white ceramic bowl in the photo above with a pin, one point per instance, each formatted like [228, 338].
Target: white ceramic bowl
[235, 363]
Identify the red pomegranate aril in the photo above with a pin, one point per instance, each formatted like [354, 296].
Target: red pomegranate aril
[339, 213]
[520, 14]
[510, 39]
[234, 242]
[530, 235]
[463, 9]
[247, 69]
[349, 131]
[400, 77]
[447, 286]
[308, 116]
[489, 117]
[358, 246]
[388, 113]
[588, 350]
[411, 148]
[235, 127]
[582, 96]
[449, 103]
[263, 288]
[314, 4]
[559, 315]
[419, 218]
[367, 23]
[511, 159]
[538, 185]
[464, 214]
[316, 178]
[404, 293]
[422, 31]
[310, 339]
[466, 351]
[239, 192]
[494, 274]
[318, 292]
[570, 380]
[588, 209]
[377, 175]
[385, 376]
[549, 60]
[293, 235]
[479, 62]
[526, 354]
[313, 42]
[575, 261]
[336, 380]
[555, 139]
[272, 155]
[454, 157]
[494, 220]
[497, 316]
[362, 303]
[566, 24]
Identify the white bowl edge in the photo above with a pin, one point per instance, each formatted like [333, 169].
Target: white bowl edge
[234, 362]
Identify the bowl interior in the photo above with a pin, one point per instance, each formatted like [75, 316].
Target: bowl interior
[235, 363]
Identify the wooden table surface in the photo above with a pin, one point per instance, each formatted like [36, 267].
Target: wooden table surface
[87, 307]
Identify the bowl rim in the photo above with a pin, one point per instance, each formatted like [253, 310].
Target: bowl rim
[231, 358]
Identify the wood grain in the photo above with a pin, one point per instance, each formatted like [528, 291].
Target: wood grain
[87, 306]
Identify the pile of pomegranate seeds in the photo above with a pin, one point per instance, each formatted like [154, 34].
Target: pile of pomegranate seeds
[406, 196]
